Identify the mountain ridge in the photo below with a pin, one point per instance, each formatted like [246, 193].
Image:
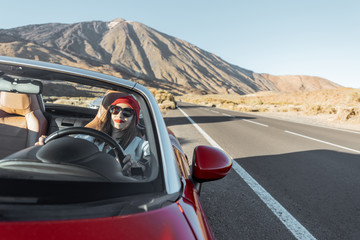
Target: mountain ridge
[134, 51]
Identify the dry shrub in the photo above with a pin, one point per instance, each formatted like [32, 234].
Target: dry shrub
[164, 99]
[313, 109]
[295, 109]
[167, 105]
[333, 110]
[228, 105]
[352, 113]
[77, 101]
[243, 108]
[254, 101]
[355, 97]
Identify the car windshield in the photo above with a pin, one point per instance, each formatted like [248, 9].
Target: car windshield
[76, 163]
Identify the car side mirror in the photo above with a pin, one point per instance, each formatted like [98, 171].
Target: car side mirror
[210, 163]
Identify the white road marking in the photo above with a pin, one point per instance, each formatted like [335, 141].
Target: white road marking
[321, 141]
[294, 120]
[264, 125]
[298, 230]
[214, 111]
[207, 137]
[339, 129]
[228, 115]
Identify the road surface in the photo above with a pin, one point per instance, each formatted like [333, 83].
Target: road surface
[289, 180]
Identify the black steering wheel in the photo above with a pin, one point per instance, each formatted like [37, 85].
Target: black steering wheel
[118, 150]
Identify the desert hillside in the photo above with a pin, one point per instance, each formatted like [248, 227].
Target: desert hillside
[137, 52]
[300, 83]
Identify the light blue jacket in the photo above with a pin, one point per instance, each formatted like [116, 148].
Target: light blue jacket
[138, 148]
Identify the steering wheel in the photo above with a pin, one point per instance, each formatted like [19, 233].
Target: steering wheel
[118, 150]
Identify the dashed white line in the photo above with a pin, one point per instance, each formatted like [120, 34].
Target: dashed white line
[214, 111]
[228, 115]
[339, 129]
[264, 125]
[321, 141]
[298, 230]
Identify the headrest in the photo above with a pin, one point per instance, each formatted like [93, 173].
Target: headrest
[18, 103]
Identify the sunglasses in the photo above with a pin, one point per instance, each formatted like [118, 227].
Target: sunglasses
[127, 112]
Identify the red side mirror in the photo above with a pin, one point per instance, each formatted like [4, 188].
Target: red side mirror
[210, 163]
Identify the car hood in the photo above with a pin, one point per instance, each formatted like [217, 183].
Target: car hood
[164, 223]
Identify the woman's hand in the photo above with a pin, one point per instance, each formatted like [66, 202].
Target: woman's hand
[41, 140]
[130, 164]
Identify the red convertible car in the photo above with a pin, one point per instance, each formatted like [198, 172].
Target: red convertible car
[68, 188]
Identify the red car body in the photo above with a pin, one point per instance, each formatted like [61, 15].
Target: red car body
[184, 219]
[181, 220]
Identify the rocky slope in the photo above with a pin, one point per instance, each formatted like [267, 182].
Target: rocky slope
[137, 52]
[300, 83]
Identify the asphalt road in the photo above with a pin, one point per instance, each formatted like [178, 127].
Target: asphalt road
[289, 180]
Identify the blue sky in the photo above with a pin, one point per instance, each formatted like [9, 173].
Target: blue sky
[308, 37]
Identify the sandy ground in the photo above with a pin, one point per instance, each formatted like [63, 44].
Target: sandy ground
[336, 108]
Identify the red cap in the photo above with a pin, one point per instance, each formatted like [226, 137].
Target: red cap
[131, 102]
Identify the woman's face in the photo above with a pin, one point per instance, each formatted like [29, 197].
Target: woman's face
[121, 116]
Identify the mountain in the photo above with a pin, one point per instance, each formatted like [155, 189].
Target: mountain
[299, 83]
[134, 51]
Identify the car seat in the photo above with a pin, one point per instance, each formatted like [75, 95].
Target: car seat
[21, 121]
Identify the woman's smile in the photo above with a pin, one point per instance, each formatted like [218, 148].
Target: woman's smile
[118, 120]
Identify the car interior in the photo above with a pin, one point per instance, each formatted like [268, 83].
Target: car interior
[58, 107]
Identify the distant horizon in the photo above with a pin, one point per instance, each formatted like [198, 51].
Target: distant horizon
[278, 38]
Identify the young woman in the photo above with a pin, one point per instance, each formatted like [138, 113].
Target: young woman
[119, 119]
